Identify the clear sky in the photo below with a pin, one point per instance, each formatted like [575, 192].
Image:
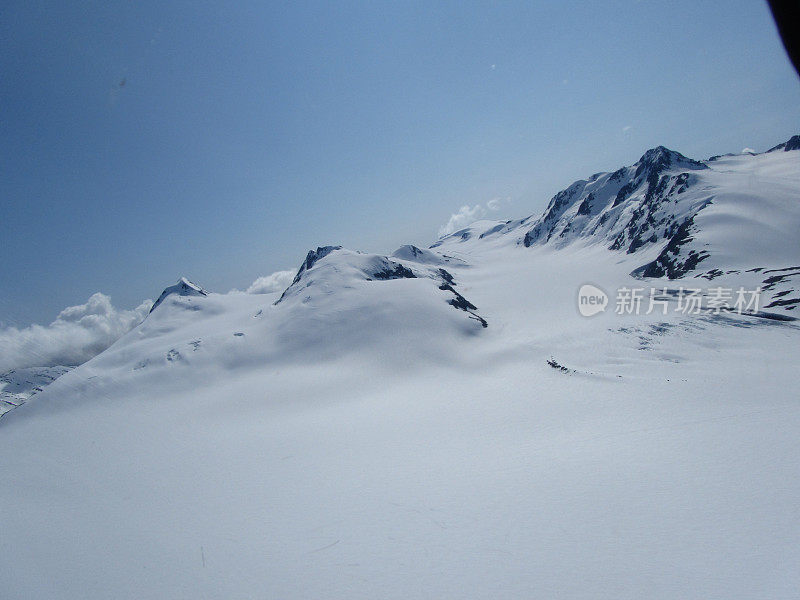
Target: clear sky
[142, 141]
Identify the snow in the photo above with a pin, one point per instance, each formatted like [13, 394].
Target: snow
[754, 217]
[184, 287]
[421, 255]
[364, 438]
[745, 207]
[17, 385]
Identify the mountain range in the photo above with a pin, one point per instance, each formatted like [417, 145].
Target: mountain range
[444, 421]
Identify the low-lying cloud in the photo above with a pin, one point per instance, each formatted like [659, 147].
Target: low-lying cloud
[276, 282]
[78, 334]
[81, 332]
[467, 215]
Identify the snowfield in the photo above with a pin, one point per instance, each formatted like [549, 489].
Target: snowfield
[443, 423]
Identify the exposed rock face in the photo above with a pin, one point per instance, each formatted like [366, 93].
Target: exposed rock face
[628, 208]
[671, 263]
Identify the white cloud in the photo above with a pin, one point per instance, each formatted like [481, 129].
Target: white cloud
[467, 215]
[462, 218]
[78, 334]
[496, 203]
[626, 129]
[748, 150]
[277, 282]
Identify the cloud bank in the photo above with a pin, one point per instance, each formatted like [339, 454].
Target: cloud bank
[81, 332]
[467, 215]
[78, 334]
[277, 282]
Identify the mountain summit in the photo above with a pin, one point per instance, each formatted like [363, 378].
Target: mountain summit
[184, 287]
[728, 212]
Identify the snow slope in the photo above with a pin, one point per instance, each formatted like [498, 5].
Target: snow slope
[17, 385]
[732, 216]
[433, 424]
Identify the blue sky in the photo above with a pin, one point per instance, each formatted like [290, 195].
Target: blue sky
[145, 141]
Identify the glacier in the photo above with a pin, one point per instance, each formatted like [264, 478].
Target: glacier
[443, 422]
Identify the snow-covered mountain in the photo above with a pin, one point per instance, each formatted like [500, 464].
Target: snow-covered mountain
[732, 215]
[444, 422]
[184, 287]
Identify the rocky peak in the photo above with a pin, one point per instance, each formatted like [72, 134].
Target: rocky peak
[659, 159]
[793, 143]
[184, 287]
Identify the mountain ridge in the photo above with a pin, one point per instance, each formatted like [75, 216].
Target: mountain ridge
[653, 203]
